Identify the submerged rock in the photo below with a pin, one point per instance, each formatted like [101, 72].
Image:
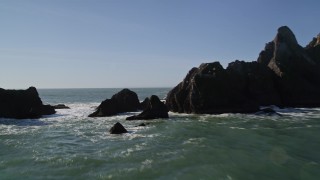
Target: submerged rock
[285, 74]
[61, 106]
[117, 129]
[155, 109]
[23, 104]
[143, 124]
[123, 101]
[268, 112]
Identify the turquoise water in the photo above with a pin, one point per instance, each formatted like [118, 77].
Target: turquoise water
[69, 145]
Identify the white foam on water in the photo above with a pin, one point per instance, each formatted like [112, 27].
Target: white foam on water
[194, 141]
[237, 128]
[78, 109]
[146, 164]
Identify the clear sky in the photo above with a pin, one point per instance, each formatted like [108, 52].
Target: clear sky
[137, 43]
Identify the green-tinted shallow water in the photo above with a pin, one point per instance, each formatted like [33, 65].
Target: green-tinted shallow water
[229, 146]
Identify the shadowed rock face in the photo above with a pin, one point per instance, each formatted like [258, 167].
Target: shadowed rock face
[213, 90]
[145, 103]
[297, 70]
[154, 110]
[123, 101]
[313, 49]
[285, 74]
[22, 104]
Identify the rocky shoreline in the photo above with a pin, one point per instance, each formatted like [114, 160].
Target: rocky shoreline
[285, 74]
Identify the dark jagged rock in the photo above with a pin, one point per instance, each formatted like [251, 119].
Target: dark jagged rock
[61, 106]
[47, 110]
[107, 107]
[257, 82]
[144, 103]
[210, 89]
[315, 42]
[285, 74]
[297, 71]
[123, 101]
[313, 49]
[23, 104]
[117, 129]
[126, 100]
[155, 109]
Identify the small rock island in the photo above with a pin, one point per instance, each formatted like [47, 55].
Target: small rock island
[23, 104]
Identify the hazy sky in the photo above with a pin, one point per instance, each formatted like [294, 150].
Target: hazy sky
[137, 43]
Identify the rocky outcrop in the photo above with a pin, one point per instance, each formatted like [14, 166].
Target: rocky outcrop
[155, 109]
[315, 42]
[210, 89]
[313, 49]
[124, 101]
[117, 129]
[297, 71]
[144, 104]
[23, 104]
[285, 74]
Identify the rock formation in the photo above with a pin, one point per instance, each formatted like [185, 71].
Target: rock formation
[297, 70]
[123, 101]
[23, 104]
[117, 129]
[155, 109]
[61, 106]
[285, 74]
[144, 104]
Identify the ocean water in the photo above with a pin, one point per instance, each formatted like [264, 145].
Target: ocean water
[69, 145]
